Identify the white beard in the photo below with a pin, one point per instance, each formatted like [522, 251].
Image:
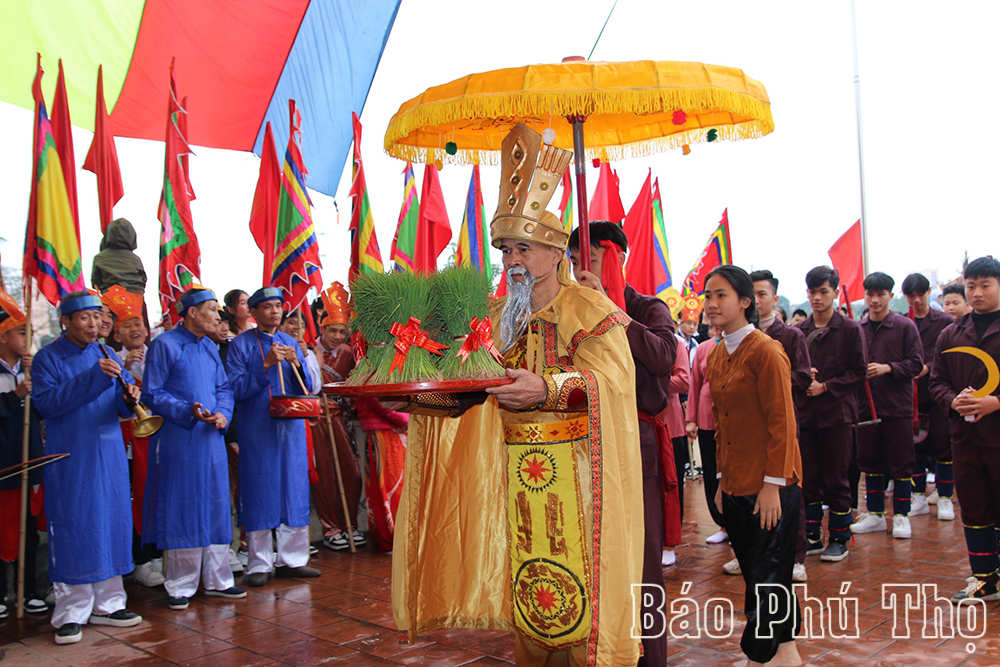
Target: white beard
[517, 309]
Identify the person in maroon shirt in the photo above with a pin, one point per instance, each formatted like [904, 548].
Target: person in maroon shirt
[654, 349]
[933, 438]
[975, 422]
[825, 415]
[765, 288]
[895, 358]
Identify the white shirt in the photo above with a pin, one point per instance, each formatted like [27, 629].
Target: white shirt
[10, 377]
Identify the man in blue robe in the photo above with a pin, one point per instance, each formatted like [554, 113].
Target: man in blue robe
[86, 495]
[186, 509]
[274, 470]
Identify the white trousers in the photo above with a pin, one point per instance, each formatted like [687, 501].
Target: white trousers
[293, 548]
[185, 567]
[76, 602]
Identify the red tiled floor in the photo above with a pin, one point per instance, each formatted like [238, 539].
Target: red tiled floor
[344, 617]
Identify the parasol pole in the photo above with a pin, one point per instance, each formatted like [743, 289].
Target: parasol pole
[861, 153]
[25, 439]
[580, 162]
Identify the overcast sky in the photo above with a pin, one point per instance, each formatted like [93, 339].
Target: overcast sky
[929, 93]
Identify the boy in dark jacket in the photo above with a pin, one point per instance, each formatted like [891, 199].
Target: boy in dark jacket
[957, 380]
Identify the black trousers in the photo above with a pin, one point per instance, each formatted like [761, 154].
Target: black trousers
[30, 563]
[706, 445]
[652, 573]
[681, 459]
[766, 558]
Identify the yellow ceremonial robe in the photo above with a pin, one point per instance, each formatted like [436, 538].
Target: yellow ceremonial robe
[459, 512]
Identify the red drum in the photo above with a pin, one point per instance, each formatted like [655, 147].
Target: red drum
[296, 407]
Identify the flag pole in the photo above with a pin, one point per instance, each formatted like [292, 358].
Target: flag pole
[861, 153]
[23, 535]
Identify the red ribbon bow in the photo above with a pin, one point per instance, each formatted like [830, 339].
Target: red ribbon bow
[481, 336]
[410, 335]
[359, 345]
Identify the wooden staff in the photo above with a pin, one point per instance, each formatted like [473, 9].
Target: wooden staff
[23, 536]
[340, 477]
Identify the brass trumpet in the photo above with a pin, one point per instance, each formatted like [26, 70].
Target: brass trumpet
[146, 424]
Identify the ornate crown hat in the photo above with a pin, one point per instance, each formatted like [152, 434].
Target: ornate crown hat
[122, 303]
[11, 316]
[336, 300]
[530, 171]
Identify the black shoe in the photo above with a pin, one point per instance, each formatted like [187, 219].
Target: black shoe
[301, 572]
[178, 603]
[35, 606]
[836, 552]
[978, 589]
[69, 633]
[123, 618]
[233, 593]
[814, 547]
[256, 579]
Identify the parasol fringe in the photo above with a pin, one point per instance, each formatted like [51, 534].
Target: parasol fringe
[524, 106]
[465, 157]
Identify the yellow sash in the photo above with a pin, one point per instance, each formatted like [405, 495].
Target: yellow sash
[550, 566]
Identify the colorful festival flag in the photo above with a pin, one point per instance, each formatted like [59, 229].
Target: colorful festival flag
[52, 239]
[566, 204]
[405, 241]
[102, 159]
[433, 226]
[606, 203]
[473, 239]
[665, 279]
[718, 251]
[62, 131]
[847, 255]
[180, 255]
[296, 265]
[365, 254]
[642, 265]
[264, 211]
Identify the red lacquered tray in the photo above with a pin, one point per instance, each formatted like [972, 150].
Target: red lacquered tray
[406, 388]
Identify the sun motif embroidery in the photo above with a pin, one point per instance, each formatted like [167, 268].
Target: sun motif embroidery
[535, 469]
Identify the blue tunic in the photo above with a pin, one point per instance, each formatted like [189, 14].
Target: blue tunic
[187, 491]
[274, 470]
[87, 498]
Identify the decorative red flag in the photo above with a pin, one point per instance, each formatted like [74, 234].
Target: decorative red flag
[102, 159]
[848, 258]
[642, 263]
[607, 202]
[433, 227]
[62, 132]
[718, 251]
[264, 212]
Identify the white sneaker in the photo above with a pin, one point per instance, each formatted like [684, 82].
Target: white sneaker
[732, 567]
[234, 563]
[799, 573]
[931, 477]
[918, 505]
[932, 498]
[669, 558]
[901, 527]
[889, 488]
[717, 538]
[150, 573]
[243, 557]
[869, 523]
[946, 510]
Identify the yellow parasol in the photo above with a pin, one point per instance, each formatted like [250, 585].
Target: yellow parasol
[600, 110]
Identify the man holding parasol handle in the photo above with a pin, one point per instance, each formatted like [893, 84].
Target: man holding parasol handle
[87, 499]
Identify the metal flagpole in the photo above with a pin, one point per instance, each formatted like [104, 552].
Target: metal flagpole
[861, 152]
[23, 535]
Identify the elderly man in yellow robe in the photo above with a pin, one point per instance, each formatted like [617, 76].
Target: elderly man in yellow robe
[524, 512]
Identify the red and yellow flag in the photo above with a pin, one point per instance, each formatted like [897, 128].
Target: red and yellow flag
[365, 254]
[52, 239]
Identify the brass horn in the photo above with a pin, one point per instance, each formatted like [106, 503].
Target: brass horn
[146, 424]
